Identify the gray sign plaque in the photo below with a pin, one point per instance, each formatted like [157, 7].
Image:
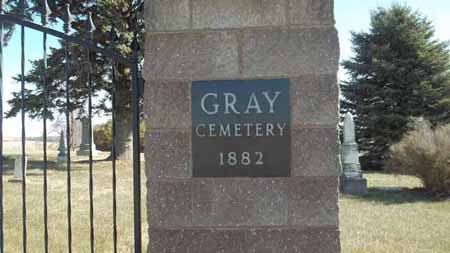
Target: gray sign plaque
[241, 128]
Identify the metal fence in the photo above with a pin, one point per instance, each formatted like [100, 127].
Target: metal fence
[91, 48]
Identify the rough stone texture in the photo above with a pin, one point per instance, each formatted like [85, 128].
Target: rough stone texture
[178, 15]
[299, 201]
[312, 202]
[240, 202]
[196, 241]
[168, 154]
[248, 240]
[192, 56]
[293, 52]
[171, 97]
[292, 240]
[192, 40]
[170, 203]
[314, 101]
[311, 12]
[315, 152]
[237, 13]
[167, 15]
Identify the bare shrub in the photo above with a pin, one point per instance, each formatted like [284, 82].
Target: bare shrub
[425, 152]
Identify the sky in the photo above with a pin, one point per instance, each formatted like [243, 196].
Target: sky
[351, 15]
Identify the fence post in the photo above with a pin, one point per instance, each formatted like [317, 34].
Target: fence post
[68, 19]
[23, 8]
[1, 128]
[46, 12]
[136, 148]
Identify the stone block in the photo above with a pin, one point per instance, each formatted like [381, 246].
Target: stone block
[290, 240]
[354, 186]
[164, 15]
[311, 12]
[315, 152]
[169, 203]
[196, 241]
[169, 241]
[313, 202]
[289, 52]
[167, 105]
[168, 154]
[248, 240]
[239, 202]
[237, 13]
[315, 101]
[217, 240]
[192, 56]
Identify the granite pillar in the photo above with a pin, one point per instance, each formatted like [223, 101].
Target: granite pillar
[204, 40]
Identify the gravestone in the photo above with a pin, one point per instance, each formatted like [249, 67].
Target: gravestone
[242, 111]
[75, 132]
[62, 152]
[352, 179]
[83, 150]
[18, 173]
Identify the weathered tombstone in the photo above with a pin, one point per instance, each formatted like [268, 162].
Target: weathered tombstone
[352, 179]
[83, 150]
[242, 108]
[75, 132]
[62, 154]
[18, 173]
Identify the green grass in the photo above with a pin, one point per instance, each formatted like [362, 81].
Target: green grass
[57, 206]
[396, 215]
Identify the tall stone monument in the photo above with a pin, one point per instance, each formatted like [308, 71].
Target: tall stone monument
[352, 181]
[83, 150]
[62, 151]
[242, 111]
[19, 176]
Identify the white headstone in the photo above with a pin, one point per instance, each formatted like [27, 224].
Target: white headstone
[353, 181]
[349, 129]
[18, 175]
[350, 153]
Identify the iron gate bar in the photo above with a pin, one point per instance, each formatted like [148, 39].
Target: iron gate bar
[1, 129]
[22, 105]
[114, 136]
[45, 144]
[91, 30]
[46, 12]
[67, 26]
[84, 43]
[136, 148]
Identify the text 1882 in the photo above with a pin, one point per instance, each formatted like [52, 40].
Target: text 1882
[241, 159]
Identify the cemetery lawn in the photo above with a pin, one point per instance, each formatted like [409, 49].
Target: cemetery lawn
[396, 215]
[57, 205]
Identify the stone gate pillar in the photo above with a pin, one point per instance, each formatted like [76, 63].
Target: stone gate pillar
[241, 101]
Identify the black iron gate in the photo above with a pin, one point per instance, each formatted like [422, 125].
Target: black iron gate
[91, 48]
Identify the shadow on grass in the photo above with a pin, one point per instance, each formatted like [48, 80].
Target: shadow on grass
[86, 161]
[8, 165]
[396, 195]
[35, 168]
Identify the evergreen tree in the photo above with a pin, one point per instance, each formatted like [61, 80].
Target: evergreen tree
[105, 13]
[399, 71]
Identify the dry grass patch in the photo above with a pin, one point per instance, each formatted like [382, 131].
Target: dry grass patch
[397, 215]
[57, 207]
